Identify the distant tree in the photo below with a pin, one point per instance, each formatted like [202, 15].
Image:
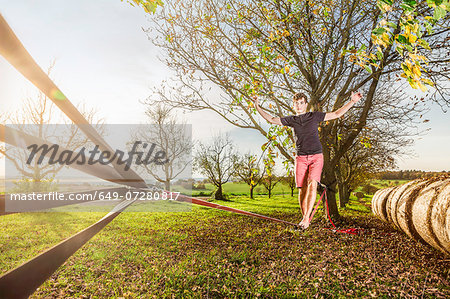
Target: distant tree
[407, 175]
[361, 163]
[169, 134]
[270, 179]
[248, 170]
[369, 189]
[200, 186]
[289, 179]
[216, 161]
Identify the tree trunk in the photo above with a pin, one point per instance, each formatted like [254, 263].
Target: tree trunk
[292, 192]
[218, 195]
[329, 179]
[332, 204]
[167, 185]
[344, 195]
[270, 192]
[251, 191]
[36, 185]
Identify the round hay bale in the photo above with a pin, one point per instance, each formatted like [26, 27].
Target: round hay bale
[379, 203]
[403, 206]
[420, 208]
[429, 215]
[440, 216]
[391, 202]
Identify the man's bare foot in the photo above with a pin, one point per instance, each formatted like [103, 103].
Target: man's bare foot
[304, 224]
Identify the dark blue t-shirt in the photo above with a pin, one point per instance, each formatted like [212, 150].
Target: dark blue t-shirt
[306, 132]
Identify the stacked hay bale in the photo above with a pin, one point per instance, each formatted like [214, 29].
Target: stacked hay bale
[420, 208]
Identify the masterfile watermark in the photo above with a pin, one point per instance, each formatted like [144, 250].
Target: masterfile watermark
[105, 157]
[95, 195]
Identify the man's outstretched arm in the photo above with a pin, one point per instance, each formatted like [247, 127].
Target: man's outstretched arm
[272, 119]
[356, 96]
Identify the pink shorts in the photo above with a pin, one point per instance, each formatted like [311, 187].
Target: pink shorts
[308, 167]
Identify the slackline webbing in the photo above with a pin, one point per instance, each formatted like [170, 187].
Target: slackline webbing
[351, 231]
[205, 203]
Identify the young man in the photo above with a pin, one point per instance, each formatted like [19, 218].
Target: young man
[309, 158]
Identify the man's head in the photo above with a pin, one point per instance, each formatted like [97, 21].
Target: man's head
[300, 102]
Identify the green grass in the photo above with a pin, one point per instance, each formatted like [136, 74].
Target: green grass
[213, 253]
[26, 234]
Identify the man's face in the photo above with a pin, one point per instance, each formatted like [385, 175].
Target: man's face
[300, 106]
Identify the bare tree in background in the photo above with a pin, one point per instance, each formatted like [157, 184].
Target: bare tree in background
[36, 117]
[358, 165]
[384, 137]
[248, 170]
[289, 179]
[170, 135]
[216, 161]
[270, 179]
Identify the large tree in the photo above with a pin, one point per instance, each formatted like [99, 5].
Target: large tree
[277, 48]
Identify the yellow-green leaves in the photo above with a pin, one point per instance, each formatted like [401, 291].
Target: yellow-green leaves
[148, 5]
[384, 5]
[408, 39]
[412, 72]
[362, 57]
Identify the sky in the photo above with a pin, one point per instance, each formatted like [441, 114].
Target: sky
[104, 59]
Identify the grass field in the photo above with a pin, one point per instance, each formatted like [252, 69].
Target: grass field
[212, 253]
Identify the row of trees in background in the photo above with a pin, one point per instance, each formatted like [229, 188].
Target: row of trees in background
[408, 174]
